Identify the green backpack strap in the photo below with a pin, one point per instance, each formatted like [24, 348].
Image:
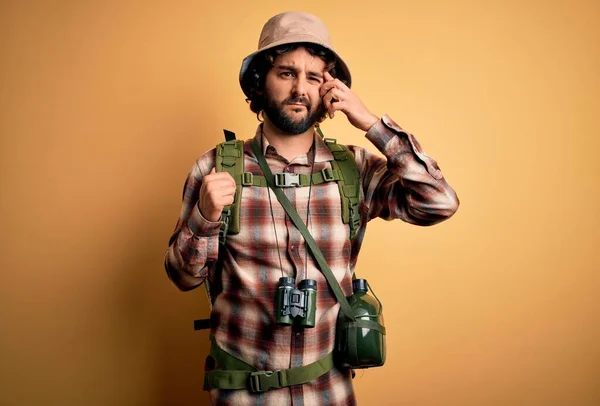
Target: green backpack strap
[230, 158]
[349, 183]
[234, 373]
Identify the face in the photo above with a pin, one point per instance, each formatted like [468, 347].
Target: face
[292, 91]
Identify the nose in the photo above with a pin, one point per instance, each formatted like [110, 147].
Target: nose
[299, 88]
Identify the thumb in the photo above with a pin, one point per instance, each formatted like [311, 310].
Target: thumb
[213, 170]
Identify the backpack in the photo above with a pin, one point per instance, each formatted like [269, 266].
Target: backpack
[230, 158]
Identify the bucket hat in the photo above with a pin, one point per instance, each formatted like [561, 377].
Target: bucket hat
[289, 28]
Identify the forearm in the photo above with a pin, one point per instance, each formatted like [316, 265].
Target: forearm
[408, 184]
[194, 246]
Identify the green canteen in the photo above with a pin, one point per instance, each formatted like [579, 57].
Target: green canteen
[361, 343]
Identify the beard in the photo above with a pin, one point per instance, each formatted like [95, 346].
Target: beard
[274, 110]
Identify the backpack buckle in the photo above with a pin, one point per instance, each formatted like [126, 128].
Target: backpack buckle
[327, 174]
[247, 179]
[287, 179]
[262, 381]
[225, 218]
[354, 216]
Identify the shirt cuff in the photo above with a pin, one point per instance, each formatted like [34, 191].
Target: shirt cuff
[386, 133]
[382, 132]
[200, 226]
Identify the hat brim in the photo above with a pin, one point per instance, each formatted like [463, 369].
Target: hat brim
[341, 67]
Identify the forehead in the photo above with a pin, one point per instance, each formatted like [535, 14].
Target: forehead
[300, 58]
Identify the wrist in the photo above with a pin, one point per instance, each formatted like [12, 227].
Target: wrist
[210, 216]
[200, 225]
[368, 122]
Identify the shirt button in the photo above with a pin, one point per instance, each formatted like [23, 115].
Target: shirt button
[293, 248]
[297, 335]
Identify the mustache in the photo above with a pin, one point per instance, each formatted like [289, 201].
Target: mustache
[297, 100]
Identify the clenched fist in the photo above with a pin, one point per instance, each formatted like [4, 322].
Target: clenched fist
[216, 192]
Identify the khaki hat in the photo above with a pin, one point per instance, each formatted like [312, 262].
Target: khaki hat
[293, 27]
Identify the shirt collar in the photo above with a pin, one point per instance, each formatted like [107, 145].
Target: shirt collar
[323, 154]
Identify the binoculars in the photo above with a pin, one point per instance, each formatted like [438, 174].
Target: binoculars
[296, 305]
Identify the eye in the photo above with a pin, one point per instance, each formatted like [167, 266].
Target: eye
[315, 79]
[287, 74]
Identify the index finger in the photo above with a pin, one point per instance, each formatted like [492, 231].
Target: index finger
[327, 76]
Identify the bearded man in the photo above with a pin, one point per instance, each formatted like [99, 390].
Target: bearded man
[293, 82]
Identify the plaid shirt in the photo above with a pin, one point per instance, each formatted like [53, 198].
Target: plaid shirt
[407, 185]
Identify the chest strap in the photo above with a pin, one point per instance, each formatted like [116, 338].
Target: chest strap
[286, 179]
[237, 374]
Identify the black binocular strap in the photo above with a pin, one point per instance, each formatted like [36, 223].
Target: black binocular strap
[314, 248]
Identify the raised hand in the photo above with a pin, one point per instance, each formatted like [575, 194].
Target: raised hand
[337, 96]
[216, 192]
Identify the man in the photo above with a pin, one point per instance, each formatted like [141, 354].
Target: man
[293, 81]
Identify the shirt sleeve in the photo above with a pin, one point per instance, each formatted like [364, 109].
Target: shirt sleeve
[407, 183]
[194, 245]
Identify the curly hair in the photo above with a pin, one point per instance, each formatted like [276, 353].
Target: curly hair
[255, 79]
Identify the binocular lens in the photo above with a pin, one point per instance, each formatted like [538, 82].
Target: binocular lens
[296, 304]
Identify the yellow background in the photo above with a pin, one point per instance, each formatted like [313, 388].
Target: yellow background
[105, 105]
